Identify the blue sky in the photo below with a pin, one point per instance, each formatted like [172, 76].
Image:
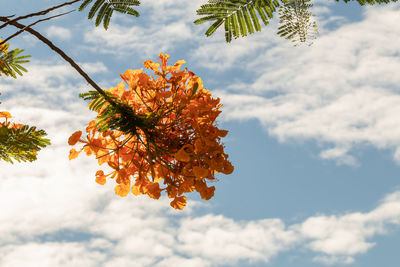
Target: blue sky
[314, 136]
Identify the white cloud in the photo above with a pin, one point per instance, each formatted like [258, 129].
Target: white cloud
[58, 32]
[330, 260]
[342, 91]
[163, 26]
[226, 241]
[60, 217]
[339, 154]
[49, 254]
[341, 237]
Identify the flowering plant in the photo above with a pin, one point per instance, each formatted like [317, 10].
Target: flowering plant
[160, 137]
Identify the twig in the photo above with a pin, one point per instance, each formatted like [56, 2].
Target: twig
[30, 25]
[43, 12]
[63, 55]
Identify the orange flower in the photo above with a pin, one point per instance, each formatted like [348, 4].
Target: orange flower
[100, 177]
[136, 190]
[200, 172]
[228, 168]
[173, 144]
[16, 126]
[3, 47]
[206, 192]
[153, 190]
[5, 114]
[122, 190]
[179, 202]
[184, 153]
[73, 139]
[151, 65]
[73, 154]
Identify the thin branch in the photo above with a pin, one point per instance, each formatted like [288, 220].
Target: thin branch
[63, 55]
[30, 25]
[40, 13]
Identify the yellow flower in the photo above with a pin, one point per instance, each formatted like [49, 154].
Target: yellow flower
[3, 47]
[5, 114]
[73, 154]
[122, 190]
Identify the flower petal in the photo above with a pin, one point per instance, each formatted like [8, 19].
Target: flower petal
[179, 202]
[74, 138]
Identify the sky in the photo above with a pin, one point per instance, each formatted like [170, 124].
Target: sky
[314, 135]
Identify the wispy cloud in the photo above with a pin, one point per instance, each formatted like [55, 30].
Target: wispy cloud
[57, 32]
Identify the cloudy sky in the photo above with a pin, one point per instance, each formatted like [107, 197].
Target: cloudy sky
[314, 135]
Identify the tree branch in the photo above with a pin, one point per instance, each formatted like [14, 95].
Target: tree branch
[43, 12]
[63, 55]
[30, 25]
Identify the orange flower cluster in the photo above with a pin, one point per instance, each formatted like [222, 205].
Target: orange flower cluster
[8, 124]
[177, 147]
[3, 47]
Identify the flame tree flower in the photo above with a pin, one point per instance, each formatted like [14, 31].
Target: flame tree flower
[160, 137]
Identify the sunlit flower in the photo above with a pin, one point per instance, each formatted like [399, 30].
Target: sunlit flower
[3, 47]
[171, 142]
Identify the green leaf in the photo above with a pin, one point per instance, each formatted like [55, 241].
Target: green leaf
[10, 63]
[296, 23]
[238, 16]
[103, 9]
[21, 144]
[214, 27]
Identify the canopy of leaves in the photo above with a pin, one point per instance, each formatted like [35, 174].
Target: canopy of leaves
[105, 8]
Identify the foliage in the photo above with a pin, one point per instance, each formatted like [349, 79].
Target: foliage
[296, 22]
[241, 17]
[105, 9]
[238, 16]
[18, 141]
[10, 61]
[168, 135]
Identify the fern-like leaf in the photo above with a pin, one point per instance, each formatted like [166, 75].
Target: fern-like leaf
[103, 9]
[21, 144]
[296, 23]
[10, 63]
[121, 117]
[240, 17]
